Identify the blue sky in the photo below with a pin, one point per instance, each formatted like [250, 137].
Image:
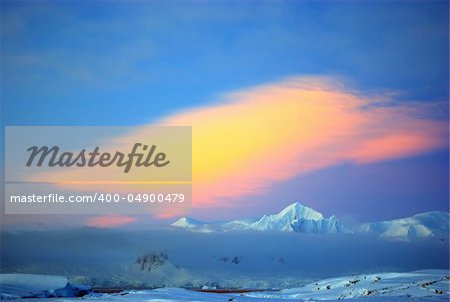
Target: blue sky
[131, 63]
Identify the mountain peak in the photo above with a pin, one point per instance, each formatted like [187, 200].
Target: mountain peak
[186, 222]
[299, 218]
[299, 211]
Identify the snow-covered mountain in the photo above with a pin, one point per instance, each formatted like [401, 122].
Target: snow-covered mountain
[189, 223]
[302, 219]
[294, 218]
[429, 224]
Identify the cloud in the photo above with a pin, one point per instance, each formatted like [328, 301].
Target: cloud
[249, 140]
[91, 253]
[254, 138]
[110, 221]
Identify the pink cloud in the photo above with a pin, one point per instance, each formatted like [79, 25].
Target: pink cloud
[271, 133]
[110, 221]
[249, 140]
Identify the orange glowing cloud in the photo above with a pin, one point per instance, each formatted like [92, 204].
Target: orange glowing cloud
[110, 221]
[257, 137]
[252, 139]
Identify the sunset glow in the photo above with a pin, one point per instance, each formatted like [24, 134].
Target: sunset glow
[248, 140]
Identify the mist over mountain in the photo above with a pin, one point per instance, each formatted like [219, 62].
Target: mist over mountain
[239, 259]
[286, 249]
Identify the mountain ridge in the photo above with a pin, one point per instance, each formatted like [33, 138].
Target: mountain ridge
[296, 217]
[300, 218]
[421, 225]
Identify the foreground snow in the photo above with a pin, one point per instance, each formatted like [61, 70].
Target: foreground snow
[429, 285]
[15, 286]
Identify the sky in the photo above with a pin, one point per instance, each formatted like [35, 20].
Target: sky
[340, 105]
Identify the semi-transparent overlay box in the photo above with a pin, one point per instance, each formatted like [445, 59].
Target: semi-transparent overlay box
[98, 170]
